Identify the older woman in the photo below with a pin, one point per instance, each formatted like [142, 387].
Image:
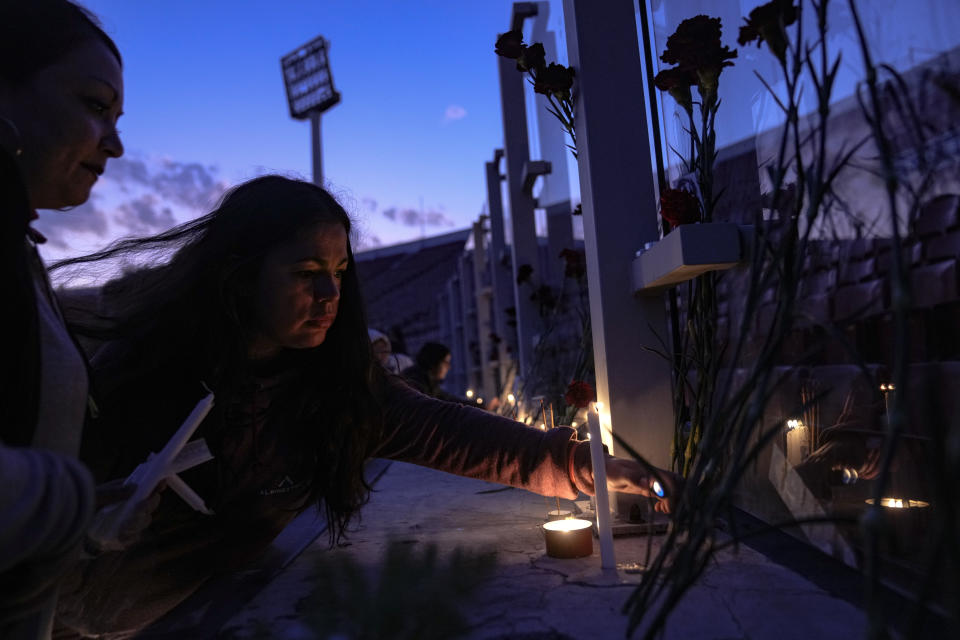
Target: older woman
[260, 302]
[61, 92]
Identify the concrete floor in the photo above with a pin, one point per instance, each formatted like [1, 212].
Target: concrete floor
[530, 595]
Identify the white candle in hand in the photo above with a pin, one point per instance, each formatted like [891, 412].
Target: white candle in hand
[597, 457]
[107, 522]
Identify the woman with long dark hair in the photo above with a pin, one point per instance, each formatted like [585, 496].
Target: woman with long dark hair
[259, 302]
[61, 92]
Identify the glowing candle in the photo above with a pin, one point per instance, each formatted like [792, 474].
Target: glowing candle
[570, 538]
[607, 560]
[798, 442]
[900, 503]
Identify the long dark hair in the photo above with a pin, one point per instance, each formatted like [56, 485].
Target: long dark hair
[33, 35]
[432, 354]
[193, 314]
[37, 33]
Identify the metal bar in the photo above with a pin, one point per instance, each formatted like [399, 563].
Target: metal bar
[316, 148]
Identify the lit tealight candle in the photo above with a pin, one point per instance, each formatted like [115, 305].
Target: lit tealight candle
[900, 503]
[798, 441]
[479, 400]
[511, 398]
[570, 538]
[469, 393]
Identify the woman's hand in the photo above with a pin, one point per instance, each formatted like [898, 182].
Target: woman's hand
[629, 476]
[105, 533]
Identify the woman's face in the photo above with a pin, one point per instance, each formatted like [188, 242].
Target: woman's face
[66, 115]
[442, 369]
[298, 290]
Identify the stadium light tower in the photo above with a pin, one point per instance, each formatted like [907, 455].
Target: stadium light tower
[310, 92]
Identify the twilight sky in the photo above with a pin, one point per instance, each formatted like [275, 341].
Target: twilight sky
[205, 108]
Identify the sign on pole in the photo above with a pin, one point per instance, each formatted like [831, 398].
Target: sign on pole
[306, 74]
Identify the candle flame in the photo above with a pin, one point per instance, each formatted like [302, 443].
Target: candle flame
[511, 397]
[469, 393]
[479, 400]
[900, 503]
[570, 524]
[794, 424]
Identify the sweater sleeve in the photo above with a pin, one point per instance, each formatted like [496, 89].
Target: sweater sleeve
[46, 501]
[469, 442]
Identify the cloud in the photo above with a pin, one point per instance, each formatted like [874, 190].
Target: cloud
[454, 112]
[126, 170]
[367, 241]
[190, 184]
[415, 218]
[145, 215]
[137, 195]
[58, 226]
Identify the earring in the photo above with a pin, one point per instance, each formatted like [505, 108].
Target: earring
[17, 148]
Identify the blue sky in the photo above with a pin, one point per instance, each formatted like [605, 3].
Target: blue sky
[205, 108]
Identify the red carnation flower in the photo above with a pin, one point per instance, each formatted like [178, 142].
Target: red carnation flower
[579, 394]
[677, 83]
[532, 58]
[768, 22]
[679, 207]
[576, 263]
[510, 44]
[554, 79]
[524, 272]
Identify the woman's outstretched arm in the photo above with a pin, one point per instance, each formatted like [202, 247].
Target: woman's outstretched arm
[477, 444]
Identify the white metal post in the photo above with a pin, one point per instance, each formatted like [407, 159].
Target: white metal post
[481, 295]
[554, 196]
[500, 274]
[618, 192]
[517, 154]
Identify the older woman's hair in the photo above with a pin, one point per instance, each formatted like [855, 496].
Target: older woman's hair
[37, 33]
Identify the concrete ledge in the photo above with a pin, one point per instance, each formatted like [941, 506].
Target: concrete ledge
[688, 251]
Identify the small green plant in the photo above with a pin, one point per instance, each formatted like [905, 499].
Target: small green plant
[414, 593]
